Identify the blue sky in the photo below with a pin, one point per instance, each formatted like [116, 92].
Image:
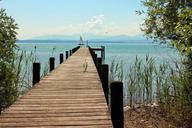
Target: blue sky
[67, 17]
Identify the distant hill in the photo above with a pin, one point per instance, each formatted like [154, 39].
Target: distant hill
[124, 38]
[90, 37]
[56, 37]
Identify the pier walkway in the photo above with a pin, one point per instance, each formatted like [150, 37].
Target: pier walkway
[66, 97]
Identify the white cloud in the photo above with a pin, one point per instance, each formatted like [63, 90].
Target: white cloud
[95, 21]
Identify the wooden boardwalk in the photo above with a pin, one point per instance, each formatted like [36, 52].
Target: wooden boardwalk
[66, 97]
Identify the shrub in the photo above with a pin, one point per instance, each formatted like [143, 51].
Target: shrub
[8, 76]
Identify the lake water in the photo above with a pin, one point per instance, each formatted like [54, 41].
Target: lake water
[126, 51]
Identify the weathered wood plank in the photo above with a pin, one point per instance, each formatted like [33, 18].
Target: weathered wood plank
[36, 115]
[56, 123]
[66, 97]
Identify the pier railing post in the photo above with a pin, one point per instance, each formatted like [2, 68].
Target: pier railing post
[75, 49]
[78, 47]
[95, 58]
[51, 63]
[105, 81]
[99, 64]
[117, 104]
[1, 108]
[103, 54]
[92, 54]
[66, 55]
[36, 73]
[61, 58]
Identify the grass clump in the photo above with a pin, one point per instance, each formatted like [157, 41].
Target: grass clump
[24, 66]
[164, 84]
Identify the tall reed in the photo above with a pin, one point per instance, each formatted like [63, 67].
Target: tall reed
[164, 83]
[24, 66]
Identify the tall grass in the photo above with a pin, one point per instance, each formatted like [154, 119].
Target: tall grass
[16, 75]
[149, 82]
[116, 70]
[24, 66]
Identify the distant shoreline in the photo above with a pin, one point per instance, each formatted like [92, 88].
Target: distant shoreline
[76, 41]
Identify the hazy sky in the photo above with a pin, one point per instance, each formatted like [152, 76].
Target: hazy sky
[68, 17]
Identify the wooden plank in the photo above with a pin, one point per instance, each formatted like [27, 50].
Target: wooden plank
[56, 123]
[66, 97]
[36, 115]
[85, 126]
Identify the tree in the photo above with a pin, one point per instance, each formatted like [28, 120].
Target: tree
[8, 76]
[169, 21]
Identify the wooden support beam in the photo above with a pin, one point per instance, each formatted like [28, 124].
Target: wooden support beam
[51, 63]
[66, 55]
[61, 58]
[36, 73]
[99, 64]
[105, 80]
[117, 104]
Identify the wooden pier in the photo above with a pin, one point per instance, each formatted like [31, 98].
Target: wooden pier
[68, 97]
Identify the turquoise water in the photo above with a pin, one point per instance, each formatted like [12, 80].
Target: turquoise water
[45, 50]
[124, 51]
[114, 50]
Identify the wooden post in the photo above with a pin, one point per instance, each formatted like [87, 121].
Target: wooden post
[70, 52]
[0, 108]
[94, 57]
[117, 104]
[36, 73]
[92, 53]
[105, 81]
[51, 63]
[78, 47]
[61, 58]
[99, 64]
[103, 54]
[66, 55]
[96, 64]
[75, 49]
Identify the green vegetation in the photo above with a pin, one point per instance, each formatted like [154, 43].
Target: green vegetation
[24, 66]
[116, 70]
[164, 84]
[8, 73]
[53, 50]
[15, 64]
[169, 21]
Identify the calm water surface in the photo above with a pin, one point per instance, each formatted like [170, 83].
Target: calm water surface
[124, 51]
[120, 51]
